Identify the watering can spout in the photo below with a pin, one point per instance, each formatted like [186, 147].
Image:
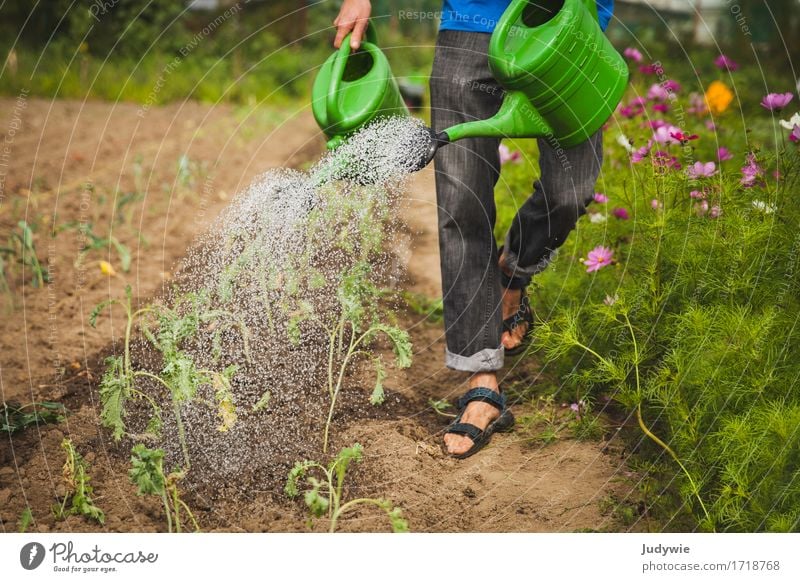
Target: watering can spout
[516, 118]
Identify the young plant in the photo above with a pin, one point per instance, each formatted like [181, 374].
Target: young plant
[79, 492]
[95, 242]
[15, 417]
[147, 473]
[180, 376]
[22, 247]
[359, 325]
[324, 489]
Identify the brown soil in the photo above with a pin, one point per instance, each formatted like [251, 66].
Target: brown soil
[50, 353]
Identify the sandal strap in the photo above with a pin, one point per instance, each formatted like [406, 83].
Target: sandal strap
[483, 395]
[465, 428]
[513, 282]
[522, 315]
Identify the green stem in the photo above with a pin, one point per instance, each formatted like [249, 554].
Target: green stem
[176, 508]
[176, 410]
[190, 514]
[167, 510]
[349, 505]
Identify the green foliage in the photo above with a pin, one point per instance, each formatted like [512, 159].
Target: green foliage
[323, 494]
[693, 329]
[25, 520]
[79, 493]
[115, 389]
[147, 473]
[16, 417]
[21, 248]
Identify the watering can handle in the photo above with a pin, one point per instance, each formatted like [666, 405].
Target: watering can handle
[338, 68]
[509, 18]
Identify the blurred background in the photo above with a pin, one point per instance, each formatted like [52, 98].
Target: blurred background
[237, 51]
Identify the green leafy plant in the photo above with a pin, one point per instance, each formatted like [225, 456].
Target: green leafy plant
[92, 241]
[441, 407]
[16, 417]
[78, 491]
[179, 376]
[358, 325]
[25, 520]
[147, 473]
[22, 248]
[324, 485]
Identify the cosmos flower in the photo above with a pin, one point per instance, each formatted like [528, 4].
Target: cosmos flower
[664, 134]
[752, 172]
[506, 155]
[698, 194]
[597, 217]
[623, 140]
[795, 135]
[647, 69]
[683, 137]
[600, 198]
[791, 122]
[776, 101]
[715, 212]
[640, 154]
[598, 258]
[660, 107]
[657, 92]
[723, 154]
[664, 161]
[621, 213]
[763, 206]
[701, 170]
[725, 63]
[632, 54]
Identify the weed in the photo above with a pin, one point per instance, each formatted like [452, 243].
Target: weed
[323, 497]
[78, 491]
[16, 417]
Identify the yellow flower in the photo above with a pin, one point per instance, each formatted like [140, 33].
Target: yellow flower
[718, 97]
[107, 269]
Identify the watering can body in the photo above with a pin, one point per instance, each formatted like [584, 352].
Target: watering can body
[352, 88]
[562, 76]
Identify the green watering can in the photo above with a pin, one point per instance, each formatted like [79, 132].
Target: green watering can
[563, 80]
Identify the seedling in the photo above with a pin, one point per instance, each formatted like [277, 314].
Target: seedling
[21, 247]
[25, 520]
[147, 473]
[358, 325]
[179, 376]
[16, 417]
[79, 492]
[95, 242]
[323, 495]
[440, 407]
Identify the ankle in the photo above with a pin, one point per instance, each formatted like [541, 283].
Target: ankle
[485, 380]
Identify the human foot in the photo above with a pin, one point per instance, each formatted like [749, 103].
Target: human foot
[513, 305]
[479, 414]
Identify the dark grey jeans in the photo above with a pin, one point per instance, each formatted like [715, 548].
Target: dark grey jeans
[462, 89]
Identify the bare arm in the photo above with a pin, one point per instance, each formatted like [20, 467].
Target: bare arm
[353, 16]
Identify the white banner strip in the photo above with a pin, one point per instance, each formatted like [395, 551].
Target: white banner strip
[355, 557]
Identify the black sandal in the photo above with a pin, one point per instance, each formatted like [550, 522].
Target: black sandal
[523, 314]
[480, 438]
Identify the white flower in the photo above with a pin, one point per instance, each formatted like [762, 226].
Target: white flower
[763, 206]
[794, 120]
[626, 143]
[597, 217]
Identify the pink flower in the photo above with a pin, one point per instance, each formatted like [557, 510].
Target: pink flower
[638, 101]
[655, 124]
[629, 112]
[660, 107]
[715, 212]
[655, 204]
[657, 92]
[640, 154]
[647, 69]
[701, 170]
[752, 173]
[776, 101]
[682, 137]
[663, 161]
[725, 63]
[664, 134]
[632, 54]
[795, 135]
[710, 125]
[600, 198]
[701, 208]
[506, 155]
[723, 154]
[598, 258]
[621, 213]
[697, 104]
[698, 194]
[672, 86]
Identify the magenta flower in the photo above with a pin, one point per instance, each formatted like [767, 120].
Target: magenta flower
[660, 107]
[795, 135]
[723, 154]
[621, 213]
[654, 124]
[701, 170]
[632, 54]
[672, 86]
[638, 101]
[725, 63]
[752, 172]
[506, 155]
[629, 112]
[640, 154]
[715, 212]
[647, 69]
[683, 137]
[657, 92]
[598, 258]
[776, 101]
[664, 134]
[663, 161]
[697, 194]
[600, 198]
[701, 208]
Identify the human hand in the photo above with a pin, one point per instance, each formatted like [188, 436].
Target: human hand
[353, 16]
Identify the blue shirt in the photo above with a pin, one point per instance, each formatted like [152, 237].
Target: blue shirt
[482, 15]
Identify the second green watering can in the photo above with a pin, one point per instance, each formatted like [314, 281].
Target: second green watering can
[563, 80]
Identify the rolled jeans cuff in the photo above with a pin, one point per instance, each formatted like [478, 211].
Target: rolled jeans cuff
[512, 261]
[486, 360]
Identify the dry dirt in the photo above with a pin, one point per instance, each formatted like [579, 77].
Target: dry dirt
[50, 353]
